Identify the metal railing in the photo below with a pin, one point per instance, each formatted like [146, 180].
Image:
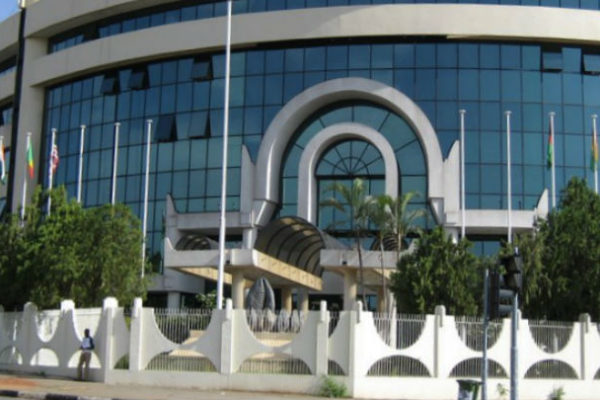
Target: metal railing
[398, 366]
[179, 360]
[180, 325]
[269, 363]
[470, 330]
[471, 368]
[401, 332]
[551, 336]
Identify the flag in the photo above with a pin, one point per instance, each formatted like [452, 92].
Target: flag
[594, 155]
[550, 154]
[30, 158]
[2, 165]
[54, 159]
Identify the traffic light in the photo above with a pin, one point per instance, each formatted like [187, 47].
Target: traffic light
[500, 298]
[513, 268]
[502, 288]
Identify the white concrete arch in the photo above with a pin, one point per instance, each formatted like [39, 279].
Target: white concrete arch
[285, 123]
[307, 184]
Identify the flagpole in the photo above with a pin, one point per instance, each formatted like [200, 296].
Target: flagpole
[222, 237]
[595, 152]
[146, 184]
[80, 172]
[3, 172]
[508, 176]
[462, 171]
[553, 169]
[24, 198]
[113, 192]
[50, 172]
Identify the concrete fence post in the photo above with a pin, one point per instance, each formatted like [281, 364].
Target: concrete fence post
[322, 340]
[27, 338]
[440, 315]
[585, 365]
[135, 336]
[109, 307]
[66, 333]
[227, 335]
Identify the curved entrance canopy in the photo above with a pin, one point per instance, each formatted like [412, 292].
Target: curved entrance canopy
[297, 242]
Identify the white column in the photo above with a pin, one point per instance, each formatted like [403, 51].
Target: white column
[350, 288]
[237, 289]
[222, 233]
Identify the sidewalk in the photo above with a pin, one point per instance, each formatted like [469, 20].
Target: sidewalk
[36, 387]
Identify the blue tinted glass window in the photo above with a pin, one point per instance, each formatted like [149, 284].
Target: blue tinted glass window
[490, 85]
[489, 56]
[468, 55]
[337, 57]
[468, 84]
[255, 62]
[511, 86]
[530, 57]
[447, 88]
[510, 56]
[425, 55]
[294, 60]
[552, 61]
[572, 90]
[425, 84]
[552, 88]
[447, 55]
[359, 56]
[404, 55]
[571, 59]
[404, 81]
[315, 59]
[274, 61]
[383, 55]
[573, 119]
[591, 90]
[532, 86]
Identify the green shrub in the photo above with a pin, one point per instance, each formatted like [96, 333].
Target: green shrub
[331, 388]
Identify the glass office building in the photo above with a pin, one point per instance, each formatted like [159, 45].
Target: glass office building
[322, 91]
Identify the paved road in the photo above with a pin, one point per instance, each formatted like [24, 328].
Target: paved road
[38, 387]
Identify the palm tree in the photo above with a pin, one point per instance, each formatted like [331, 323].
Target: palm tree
[355, 203]
[380, 215]
[402, 220]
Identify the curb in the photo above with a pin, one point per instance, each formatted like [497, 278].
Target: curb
[48, 396]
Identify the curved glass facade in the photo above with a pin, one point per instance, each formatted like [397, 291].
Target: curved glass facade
[184, 97]
[199, 9]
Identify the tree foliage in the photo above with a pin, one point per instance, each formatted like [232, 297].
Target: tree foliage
[353, 201]
[73, 253]
[562, 261]
[439, 272]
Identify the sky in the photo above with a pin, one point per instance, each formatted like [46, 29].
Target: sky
[7, 8]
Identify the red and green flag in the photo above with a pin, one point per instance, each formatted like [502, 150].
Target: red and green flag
[30, 158]
[2, 162]
[550, 154]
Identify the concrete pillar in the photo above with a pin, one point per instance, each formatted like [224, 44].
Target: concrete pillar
[303, 299]
[350, 287]
[135, 336]
[237, 289]
[174, 300]
[30, 120]
[286, 298]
